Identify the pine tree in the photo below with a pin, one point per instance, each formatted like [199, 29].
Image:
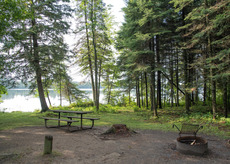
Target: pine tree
[36, 43]
[94, 51]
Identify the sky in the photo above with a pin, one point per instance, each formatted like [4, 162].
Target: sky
[116, 11]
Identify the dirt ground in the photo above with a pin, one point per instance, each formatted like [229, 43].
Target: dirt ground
[25, 145]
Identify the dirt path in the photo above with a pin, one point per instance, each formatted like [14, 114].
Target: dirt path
[25, 145]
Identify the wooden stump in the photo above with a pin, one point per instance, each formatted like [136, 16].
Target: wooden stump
[48, 144]
[118, 129]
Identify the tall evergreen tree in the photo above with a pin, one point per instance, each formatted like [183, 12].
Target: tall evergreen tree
[93, 49]
[35, 44]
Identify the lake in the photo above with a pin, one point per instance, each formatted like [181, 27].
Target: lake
[20, 100]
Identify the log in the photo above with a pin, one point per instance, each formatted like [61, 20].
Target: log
[48, 144]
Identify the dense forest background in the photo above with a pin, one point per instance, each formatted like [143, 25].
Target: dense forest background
[171, 52]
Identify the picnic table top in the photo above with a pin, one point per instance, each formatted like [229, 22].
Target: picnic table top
[69, 111]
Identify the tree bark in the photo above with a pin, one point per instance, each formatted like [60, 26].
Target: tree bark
[146, 90]
[109, 88]
[158, 73]
[60, 92]
[138, 92]
[95, 55]
[213, 86]
[187, 102]
[153, 103]
[129, 92]
[152, 94]
[88, 53]
[171, 76]
[225, 97]
[38, 70]
[99, 80]
[197, 88]
[205, 72]
[190, 78]
[177, 80]
[142, 99]
[47, 93]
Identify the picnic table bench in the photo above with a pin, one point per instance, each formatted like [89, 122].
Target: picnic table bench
[69, 122]
[87, 118]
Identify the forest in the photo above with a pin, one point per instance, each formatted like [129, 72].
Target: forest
[172, 53]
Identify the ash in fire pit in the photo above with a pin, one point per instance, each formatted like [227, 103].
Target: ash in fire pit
[191, 144]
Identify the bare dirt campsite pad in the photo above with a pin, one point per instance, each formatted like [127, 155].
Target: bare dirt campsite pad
[25, 145]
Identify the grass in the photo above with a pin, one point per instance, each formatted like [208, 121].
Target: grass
[132, 117]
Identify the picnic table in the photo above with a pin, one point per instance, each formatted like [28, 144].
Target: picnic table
[69, 119]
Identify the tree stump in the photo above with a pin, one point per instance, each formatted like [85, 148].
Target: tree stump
[48, 144]
[118, 129]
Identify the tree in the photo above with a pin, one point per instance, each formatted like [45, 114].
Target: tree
[12, 11]
[35, 44]
[94, 51]
[205, 25]
[111, 74]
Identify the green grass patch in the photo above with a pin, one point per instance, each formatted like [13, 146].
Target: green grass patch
[19, 119]
[133, 117]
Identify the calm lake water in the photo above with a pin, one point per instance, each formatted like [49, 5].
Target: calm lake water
[20, 100]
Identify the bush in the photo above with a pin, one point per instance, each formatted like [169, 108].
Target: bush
[108, 108]
[83, 103]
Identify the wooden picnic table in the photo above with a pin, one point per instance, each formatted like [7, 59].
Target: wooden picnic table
[70, 118]
[75, 112]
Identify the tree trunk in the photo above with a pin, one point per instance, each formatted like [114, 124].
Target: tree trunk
[60, 92]
[41, 92]
[138, 92]
[153, 103]
[197, 88]
[205, 80]
[142, 99]
[99, 81]
[171, 76]
[38, 70]
[47, 93]
[190, 78]
[187, 102]
[109, 89]
[146, 90]
[228, 96]
[95, 55]
[225, 97]
[177, 80]
[129, 93]
[158, 73]
[213, 84]
[152, 94]
[69, 96]
[88, 53]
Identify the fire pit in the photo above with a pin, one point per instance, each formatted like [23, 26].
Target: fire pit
[192, 145]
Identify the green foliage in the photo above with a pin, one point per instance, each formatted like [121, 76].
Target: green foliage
[83, 103]
[2, 91]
